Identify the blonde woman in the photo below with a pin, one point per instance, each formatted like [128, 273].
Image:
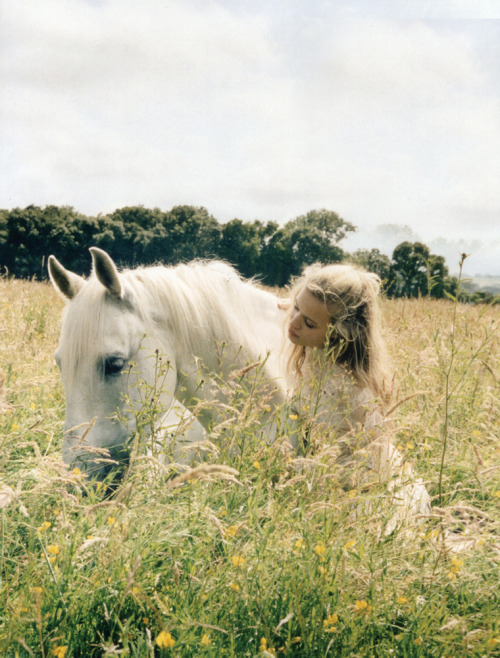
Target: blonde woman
[343, 382]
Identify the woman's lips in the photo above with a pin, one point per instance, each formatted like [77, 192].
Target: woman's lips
[292, 333]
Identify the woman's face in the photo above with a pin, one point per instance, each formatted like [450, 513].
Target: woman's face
[309, 321]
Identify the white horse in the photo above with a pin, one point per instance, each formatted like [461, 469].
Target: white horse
[178, 324]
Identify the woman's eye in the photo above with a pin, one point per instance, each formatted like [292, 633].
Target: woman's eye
[308, 324]
[113, 366]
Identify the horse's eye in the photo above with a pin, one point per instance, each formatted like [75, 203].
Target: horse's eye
[113, 366]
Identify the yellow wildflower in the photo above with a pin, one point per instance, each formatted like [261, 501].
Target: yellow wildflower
[165, 640]
[264, 648]
[32, 406]
[256, 465]
[45, 526]
[59, 652]
[493, 641]
[231, 530]
[409, 445]
[15, 427]
[111, 520]
[402, 600]
[299, 543]
[362, 606]
[319, 549]
[238, 560]
[322, 570]
[53, 549]
[417, 641]
[205, 640]
[329, 624]
[36, 590]
[456, 567]
[235, 587]
[353, 493]
[293, 416]
[350, 544]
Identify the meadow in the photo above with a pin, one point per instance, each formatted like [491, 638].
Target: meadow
[258, 553]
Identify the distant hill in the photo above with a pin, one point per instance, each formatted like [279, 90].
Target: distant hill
[489, 284]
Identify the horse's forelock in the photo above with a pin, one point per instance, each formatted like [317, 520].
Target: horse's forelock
[82, 328]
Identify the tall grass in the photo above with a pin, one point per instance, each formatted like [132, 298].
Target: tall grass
[266, 554]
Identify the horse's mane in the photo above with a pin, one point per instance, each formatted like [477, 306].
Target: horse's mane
[200, 302]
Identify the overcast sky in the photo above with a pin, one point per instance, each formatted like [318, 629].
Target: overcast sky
[386, 111]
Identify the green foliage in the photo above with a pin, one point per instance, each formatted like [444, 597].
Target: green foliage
[373, 261]
[136, 235]
[308, 239]
[242, 244]
[26, 238]
[415, 272]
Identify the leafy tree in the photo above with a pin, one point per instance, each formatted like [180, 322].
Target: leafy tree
[189, 232]
[137, 235]
[374, 261]
[33, 233]
[4, 238]
[127, 233]
[409, 270]
[241, 244]
[307, 239]
[437, 274]
[416, 272]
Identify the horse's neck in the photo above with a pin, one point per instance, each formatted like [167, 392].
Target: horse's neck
[241, 325]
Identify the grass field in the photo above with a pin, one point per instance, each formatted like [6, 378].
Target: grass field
[270, 561]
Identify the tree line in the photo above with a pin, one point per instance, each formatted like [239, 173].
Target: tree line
[275, 254]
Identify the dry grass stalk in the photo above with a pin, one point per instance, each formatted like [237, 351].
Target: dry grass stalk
[205, 472]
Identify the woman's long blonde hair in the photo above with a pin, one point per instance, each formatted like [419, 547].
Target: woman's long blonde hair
[355, 340]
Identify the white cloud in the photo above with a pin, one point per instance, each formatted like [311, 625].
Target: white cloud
[251, 109]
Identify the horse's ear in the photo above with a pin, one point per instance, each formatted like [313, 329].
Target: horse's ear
[106, 272]
[66, 282]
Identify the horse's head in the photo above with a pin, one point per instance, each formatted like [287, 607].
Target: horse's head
[108, 361]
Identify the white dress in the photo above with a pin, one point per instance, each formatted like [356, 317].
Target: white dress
[338, 410]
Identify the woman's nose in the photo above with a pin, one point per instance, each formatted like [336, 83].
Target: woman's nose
[295, 320]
